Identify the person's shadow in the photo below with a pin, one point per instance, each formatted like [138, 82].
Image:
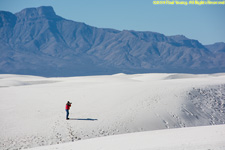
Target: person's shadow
[85, 119]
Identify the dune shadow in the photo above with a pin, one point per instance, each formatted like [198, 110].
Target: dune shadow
[85, 119]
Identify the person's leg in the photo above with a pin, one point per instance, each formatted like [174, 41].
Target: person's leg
[67, 114]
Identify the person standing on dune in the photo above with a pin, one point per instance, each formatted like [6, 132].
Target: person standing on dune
[68, 105]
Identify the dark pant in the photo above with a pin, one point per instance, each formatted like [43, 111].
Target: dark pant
[67, 113]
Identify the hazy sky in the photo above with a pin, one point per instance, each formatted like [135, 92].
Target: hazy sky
[204, 23]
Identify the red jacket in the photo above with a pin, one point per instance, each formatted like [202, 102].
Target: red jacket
[68, 106]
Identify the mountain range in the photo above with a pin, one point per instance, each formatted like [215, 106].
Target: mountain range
[36, 41]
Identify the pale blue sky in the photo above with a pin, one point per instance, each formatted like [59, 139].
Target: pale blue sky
[203, 23]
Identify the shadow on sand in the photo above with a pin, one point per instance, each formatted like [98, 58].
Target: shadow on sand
[85, 119]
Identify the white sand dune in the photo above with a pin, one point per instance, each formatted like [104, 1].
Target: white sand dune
[32, 108]
[195, 138]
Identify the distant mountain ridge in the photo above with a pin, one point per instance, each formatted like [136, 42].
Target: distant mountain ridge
[36, 41]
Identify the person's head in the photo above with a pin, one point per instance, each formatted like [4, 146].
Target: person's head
[68, 102]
